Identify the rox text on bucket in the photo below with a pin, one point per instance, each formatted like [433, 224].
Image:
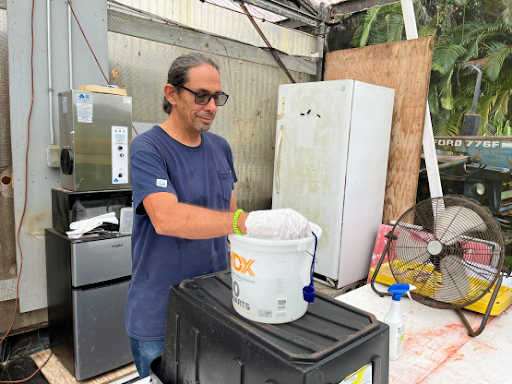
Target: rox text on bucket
[240, 264]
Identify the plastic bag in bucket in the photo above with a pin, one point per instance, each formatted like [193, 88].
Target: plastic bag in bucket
[268, 276]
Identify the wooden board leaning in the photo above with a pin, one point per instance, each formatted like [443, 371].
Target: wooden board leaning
[404, 66]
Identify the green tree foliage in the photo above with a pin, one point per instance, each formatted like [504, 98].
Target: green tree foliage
[467, 32]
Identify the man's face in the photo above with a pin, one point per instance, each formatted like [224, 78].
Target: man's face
[203, 78]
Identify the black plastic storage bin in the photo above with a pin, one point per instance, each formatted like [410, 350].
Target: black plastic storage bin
[207, 342]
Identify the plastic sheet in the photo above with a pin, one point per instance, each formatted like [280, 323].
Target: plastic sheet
[79, 228]
[284, 224]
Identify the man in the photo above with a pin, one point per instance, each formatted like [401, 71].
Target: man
[183, 192]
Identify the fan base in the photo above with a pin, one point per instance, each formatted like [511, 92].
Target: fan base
[503, 299]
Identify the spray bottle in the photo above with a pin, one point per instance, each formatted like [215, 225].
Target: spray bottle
[396, 321]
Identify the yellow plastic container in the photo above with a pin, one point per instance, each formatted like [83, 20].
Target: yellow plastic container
[503, 300]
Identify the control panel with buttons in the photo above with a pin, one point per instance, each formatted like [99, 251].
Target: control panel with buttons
[119, 155]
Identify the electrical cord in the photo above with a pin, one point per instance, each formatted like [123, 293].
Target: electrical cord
[26, 181]
[92, 51]
[31, 376]
[25, 203]
[26, 176]
[3, 359]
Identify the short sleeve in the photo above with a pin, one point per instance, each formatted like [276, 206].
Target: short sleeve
[230, 162]
[148, 173]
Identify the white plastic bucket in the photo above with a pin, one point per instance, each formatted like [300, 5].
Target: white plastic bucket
[268, 276]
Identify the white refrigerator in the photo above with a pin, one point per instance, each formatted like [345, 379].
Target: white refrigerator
[331, 159]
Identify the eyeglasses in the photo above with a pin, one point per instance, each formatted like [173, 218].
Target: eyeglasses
[203, 98]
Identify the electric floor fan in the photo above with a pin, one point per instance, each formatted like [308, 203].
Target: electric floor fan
[451, 249]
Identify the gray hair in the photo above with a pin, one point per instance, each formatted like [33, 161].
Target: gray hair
[179, 71]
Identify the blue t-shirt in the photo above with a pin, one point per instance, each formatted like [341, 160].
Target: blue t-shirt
[202, 175]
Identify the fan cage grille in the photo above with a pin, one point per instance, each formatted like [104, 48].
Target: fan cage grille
[450, 248]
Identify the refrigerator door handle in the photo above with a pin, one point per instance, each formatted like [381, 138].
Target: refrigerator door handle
[276, 160]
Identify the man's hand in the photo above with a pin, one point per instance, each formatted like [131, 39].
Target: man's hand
[171, 218]
[285, 224]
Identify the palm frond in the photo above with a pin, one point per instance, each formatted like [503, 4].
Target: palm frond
[433, 101]
[503, 97]
[441, 125]
[454, 123]
[440, 82]
[426, 31]
[422, 16]
[498, 52]
[506, 14]
[463, 104]
[396, 27]
[467, 89]
[369, 19]
[358, 32]
[481, 35]
[476, 34]
[378, 31]
[447, 94]
[485, 106]
[371, 14]
[446, 56]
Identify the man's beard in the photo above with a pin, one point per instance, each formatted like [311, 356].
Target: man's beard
[200, 127]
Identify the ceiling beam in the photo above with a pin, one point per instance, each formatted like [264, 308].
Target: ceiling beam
[353, 6]
[286, 11]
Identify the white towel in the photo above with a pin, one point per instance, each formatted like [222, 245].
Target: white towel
[79, 228]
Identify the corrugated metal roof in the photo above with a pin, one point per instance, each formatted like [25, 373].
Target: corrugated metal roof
[327, 2]
[254, 11]
[261, 13]
[223, 21]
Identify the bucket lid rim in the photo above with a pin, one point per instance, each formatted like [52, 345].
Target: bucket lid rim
[277, 242]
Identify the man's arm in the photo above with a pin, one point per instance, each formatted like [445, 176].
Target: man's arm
[171, 218]
[232, 205]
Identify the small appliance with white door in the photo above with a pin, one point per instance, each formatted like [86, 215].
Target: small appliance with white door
[331, 159]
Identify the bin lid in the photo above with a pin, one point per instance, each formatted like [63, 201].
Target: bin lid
[327, 326]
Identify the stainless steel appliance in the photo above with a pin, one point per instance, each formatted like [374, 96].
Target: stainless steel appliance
[87, 281]
[95, 134]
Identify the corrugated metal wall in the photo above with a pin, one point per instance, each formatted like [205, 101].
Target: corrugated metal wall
[8, 270]
[7, 242]
[214, 19]
[247, 121]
